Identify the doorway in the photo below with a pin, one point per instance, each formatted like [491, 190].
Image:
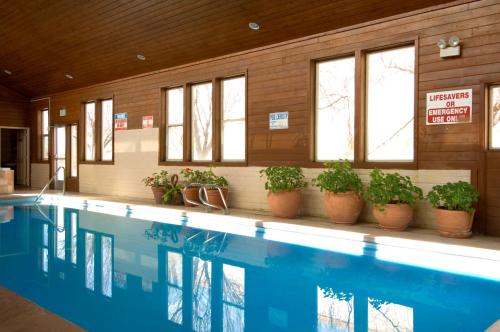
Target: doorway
[14, 153]
[65, 157]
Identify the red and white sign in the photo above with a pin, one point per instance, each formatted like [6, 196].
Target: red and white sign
[449, 107]
[147, 121]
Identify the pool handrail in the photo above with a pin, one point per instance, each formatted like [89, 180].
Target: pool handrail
[203, 192]
[50, 181]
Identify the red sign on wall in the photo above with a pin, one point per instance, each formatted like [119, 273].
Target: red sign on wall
[449, 107]
[147, 121]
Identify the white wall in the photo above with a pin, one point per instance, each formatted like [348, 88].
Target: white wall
[39, 175]
[136, 156]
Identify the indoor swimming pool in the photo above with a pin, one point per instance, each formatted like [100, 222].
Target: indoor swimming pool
[106, 268]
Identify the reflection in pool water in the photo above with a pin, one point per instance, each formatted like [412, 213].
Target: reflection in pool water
[108, 272]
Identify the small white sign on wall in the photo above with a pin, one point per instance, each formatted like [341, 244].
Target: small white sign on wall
[278, 120]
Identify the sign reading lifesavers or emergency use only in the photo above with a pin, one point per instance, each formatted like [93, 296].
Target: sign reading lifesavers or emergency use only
[121, 121]
[278, 120]
[449, 107]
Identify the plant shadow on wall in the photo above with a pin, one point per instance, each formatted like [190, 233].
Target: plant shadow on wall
[284, 184]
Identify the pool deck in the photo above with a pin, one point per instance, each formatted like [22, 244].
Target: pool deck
[479, 246]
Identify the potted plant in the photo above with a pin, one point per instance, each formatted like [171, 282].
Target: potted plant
[392, 197]
[213, 195]
[173, 191]
[283, 185]
[343, 190]
[453, 207]
[194, 179]
[157, 183]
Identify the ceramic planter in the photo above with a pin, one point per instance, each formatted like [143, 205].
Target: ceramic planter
[395, 217]
[456, 224]
[192, 194]
[284, 204]
[158, 194]
[343, 208]
[213, 196]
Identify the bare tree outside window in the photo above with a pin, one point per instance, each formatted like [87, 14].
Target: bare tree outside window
[175, 123]
[174, 287]
[233, 119]
[90, 131]
[495, 117]
[107, 130]
[201, 108]
[335, 109]
[233, 298]
[390, 104]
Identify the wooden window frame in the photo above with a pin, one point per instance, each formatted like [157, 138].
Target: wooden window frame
[360, 123]
[187, 126]
[487, 102]
[98, 133]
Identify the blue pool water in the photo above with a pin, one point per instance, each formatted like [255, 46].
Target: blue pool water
[117, 273]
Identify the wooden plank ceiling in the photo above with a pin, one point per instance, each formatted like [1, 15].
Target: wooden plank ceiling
[98, 41]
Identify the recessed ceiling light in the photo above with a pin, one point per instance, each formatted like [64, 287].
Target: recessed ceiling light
[254, 26]
[141, 57]
[8, 72]
[68, 76]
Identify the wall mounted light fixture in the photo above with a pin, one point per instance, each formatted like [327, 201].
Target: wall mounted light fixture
[450, 48]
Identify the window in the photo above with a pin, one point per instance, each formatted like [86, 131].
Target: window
[390, 110]
[201, 294]
[233, 298]
[494, 106]
[175, 123]
[190, 132]
[74, 150]
[45, 134]
[107, 130]
[107, 266]
[233, 119]
[174, 287]
[335, 109]
[99, 130]
[201, 126]
[90, 131]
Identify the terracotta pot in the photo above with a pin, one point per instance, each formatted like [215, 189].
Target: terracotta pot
[343, 208]
[192, 195]
[456, 224]
[395, 217]
[284, 204]
[158, 194]
[213, 197]
[176, 200]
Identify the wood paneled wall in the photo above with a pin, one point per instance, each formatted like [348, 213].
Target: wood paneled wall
[279, 79]
[14, 109]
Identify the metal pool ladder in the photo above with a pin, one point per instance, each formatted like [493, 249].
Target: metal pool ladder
[203, 193]
[50, 181]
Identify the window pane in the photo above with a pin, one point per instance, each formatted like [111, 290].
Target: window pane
[60, 152]
[90, 131]
[45, 122]
[201, 107]
[390, 104]
[233, 295]
[174, 288]
[45, 147]
[175, 129]
[175, 143]
[233, 119]
[335, 109]
[74, 151]
[107, 130]
[495, 117]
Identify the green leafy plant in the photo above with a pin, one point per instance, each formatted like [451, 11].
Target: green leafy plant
[173, 191]
[391, 188]
[338, 178]
[283, 178]
[156, 179]
[458, 196]
[203, 177]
